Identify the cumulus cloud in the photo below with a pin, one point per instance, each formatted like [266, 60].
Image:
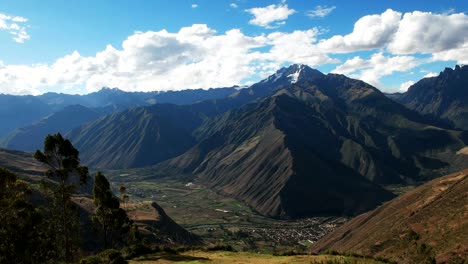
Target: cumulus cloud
[272, 14]
[431, 74]
[404, 86]
[194, 57]
[444, 35]
[425, 32]
[376, 67]
[14, 25]
[194, 5]
[370, 32]
[233, 5]
[320, 11]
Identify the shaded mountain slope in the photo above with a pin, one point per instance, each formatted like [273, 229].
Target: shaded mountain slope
[313, 140]
[31, 137]
[250, 158]
[18, 111]
[444, 96]
[136, 137]
[430, 221]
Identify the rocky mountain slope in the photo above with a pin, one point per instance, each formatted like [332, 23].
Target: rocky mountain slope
[136, 137]
[426, 224]
[444, 96]
[318, 139]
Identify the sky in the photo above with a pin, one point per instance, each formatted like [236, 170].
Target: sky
[159, 45]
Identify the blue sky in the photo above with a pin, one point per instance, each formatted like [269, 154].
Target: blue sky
[80, 46]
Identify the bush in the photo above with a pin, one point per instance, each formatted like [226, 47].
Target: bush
[110, 256]
[138, 250]
[220, 248]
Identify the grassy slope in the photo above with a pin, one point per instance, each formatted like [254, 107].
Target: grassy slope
[221, 257]
[428, 222]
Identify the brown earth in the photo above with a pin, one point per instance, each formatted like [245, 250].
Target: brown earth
[428, 223]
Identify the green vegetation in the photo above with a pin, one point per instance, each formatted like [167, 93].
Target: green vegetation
[63, 162]
[22, 237]
[112, 220]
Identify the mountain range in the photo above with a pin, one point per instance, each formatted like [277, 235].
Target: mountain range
[282, 146]
[36, 116]
[444, 96]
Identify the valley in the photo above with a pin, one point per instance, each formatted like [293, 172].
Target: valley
[218, 219]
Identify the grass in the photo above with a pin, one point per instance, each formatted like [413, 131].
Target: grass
[222, 257]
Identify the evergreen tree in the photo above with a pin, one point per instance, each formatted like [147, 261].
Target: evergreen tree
[67, 175]
[112, 220]
[22, 238]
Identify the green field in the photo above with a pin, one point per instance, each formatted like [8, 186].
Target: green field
[219, 219]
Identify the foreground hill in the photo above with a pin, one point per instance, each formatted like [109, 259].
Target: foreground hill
[325, 138]
[444, 96]
[428, 222]
[22, 163]
[153, 223]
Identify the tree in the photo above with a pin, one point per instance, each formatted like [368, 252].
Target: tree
[112, 220]
[67, 175]
[22, 239]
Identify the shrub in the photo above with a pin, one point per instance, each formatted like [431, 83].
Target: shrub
[220, 248]
[110, 256]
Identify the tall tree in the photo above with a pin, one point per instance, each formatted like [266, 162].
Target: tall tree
[22, 238]
[67, 175]
[112, 220]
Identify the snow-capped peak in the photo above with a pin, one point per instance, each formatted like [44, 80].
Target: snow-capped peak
[295, 76]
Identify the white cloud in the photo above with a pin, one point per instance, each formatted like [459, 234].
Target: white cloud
[320, 11]
[376, 67]
[233, 5]
[194, 5]
[14, 25]
[194, 57]
[425, 32]
[297, 47]
[444, 35]
[265, 16]
[370, 32]
[431, 74]
[460, 55]
[404, 86]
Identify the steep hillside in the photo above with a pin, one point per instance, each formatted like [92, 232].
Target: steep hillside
[428, 222]
[444, 96]
[152, 221]
[22, 163]
[31, 137]
[247, 156]
[321, 139]
[136, 137]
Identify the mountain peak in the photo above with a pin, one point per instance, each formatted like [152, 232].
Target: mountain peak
[109, 90]
[293, 74]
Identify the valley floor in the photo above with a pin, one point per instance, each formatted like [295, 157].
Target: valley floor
[219, 219]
